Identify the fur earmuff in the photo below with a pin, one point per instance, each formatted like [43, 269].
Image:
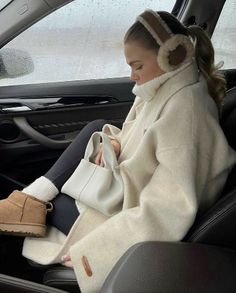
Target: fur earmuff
[174, 52]
[175, 49]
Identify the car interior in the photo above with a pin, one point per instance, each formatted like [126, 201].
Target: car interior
[38, 121]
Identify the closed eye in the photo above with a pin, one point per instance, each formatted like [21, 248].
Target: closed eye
[139, 67]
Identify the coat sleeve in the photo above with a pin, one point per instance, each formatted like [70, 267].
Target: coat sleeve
[166, 212]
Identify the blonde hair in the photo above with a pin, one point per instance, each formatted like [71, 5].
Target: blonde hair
[204, 51]
[205, 57]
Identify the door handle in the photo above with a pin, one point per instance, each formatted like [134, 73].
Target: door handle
[25, 127]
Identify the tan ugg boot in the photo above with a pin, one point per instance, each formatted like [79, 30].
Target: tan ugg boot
[23, 215]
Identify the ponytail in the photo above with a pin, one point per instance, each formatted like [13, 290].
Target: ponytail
[204, 54]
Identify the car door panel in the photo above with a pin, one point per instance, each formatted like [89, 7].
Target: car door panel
[37, 122]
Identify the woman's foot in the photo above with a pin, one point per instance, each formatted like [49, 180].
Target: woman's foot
[23, 215]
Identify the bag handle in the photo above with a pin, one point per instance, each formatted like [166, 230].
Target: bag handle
[93, 148]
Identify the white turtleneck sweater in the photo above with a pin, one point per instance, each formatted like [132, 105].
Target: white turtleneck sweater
[174, 160]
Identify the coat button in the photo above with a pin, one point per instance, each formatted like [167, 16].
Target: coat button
[86, 266]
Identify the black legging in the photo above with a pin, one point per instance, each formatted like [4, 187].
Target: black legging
[65, 211]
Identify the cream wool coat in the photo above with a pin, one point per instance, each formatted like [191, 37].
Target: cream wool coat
[174, 160]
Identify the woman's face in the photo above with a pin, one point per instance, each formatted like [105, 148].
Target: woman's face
[143, 63]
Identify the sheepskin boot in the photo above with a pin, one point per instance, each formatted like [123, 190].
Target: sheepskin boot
[23, 215]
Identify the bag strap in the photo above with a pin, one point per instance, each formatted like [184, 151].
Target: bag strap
[93, 148]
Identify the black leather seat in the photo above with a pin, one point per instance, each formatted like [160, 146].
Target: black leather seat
[216, 227]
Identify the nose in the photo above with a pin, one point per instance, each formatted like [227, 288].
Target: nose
[133, 76]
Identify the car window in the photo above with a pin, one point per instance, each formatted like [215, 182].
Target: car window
[4, 3]
[80, 41]
[224, 36]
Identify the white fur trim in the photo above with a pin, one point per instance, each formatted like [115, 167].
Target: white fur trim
[42, 188]
[171, 45]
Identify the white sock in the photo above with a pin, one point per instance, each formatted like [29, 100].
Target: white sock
[42, 188]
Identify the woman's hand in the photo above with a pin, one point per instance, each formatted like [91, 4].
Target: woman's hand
[66, 261]
[99, 160]
[116, 146]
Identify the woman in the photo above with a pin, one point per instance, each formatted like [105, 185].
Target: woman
[173, 156]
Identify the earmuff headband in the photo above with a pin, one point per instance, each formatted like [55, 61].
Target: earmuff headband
[155, 25]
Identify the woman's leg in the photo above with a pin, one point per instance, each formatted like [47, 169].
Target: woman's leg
[48, 186]
[65, 211]
[69, 160]
[24, 212]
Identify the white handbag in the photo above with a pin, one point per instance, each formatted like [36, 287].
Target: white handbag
[98, 187]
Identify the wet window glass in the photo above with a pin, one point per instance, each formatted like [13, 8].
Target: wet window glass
[224, 37]
[3, 3]
[80, 41]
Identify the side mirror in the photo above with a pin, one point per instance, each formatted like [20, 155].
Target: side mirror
[14, 63]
